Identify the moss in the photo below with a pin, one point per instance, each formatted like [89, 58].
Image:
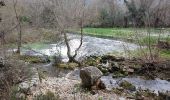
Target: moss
[92, 61]
[100, 98]
[118, 74]
[67, 65]
[127, 85]
[146, 94]
[118, 91]
[102, 69]
[31, 59]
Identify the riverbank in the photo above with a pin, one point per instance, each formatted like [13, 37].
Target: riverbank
[135, 35]
[140, 82]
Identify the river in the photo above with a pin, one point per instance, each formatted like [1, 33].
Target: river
[90, 46]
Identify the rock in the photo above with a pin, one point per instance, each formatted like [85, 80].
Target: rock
[101, 84]
[119, 59]
[106, 58]
[126, 85]
[164, 96]
[114, 67]
[20, 96]
[74, 75]
[128, 70]
[90, 76]
[29, 85]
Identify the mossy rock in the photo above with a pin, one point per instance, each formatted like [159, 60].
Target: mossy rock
[147, 94]
[68, 65]
[126, 85]
[102, 69]
[32, 59]
[119, 74]
[92, 61]
[118, 91]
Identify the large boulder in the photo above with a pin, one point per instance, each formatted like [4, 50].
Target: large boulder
[90, 76]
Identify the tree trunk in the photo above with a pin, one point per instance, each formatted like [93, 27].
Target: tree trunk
[19, 28]
[72, 58]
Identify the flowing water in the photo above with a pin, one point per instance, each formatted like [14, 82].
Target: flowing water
[98, 46]
[152, 85]
[91, 46]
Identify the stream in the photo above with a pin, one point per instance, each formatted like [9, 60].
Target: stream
[90, 46]
[97, 46]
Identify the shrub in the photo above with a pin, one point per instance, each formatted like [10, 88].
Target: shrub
[48, 96]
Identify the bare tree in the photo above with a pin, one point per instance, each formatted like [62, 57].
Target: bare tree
[69, 14]
[19, 26]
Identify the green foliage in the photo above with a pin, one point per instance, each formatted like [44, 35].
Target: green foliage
[48, 96]
[24, 19]
[146, 40]
[92, 61]
[127, 85]
[100, 98]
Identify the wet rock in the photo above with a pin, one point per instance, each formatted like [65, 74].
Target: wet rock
[90, 76]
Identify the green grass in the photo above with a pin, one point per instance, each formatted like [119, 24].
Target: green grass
[37, 45]
[110, 32]
[126, 34]
[165, 54]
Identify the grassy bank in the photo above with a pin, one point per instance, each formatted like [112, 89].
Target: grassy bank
[135, 35]
[110, 32]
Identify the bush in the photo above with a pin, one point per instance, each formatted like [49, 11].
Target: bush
[12, 73]
[48, 96]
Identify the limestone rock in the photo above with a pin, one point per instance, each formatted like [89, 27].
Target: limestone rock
[90, 76]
